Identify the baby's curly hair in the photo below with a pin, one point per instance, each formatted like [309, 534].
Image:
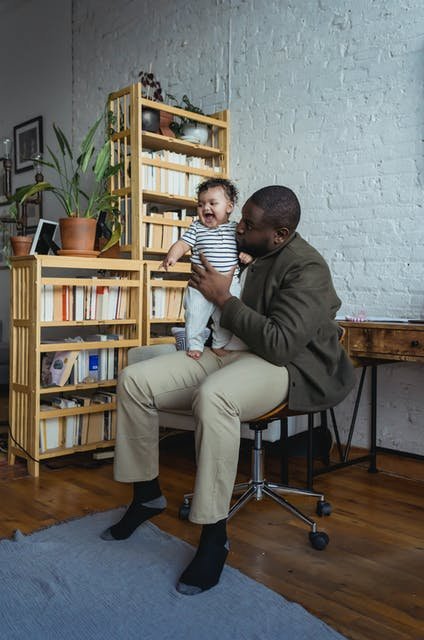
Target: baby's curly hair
[230, 189]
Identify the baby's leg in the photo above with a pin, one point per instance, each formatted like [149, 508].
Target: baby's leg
[197, 313]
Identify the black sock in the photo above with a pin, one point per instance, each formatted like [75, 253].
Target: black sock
[147, 502]
[205, 569]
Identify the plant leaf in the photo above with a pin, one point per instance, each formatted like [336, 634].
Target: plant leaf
[63, 141]
[102, 162]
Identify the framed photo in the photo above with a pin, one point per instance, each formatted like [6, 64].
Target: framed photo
[28, 140]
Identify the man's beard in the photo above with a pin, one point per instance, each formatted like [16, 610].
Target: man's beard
[256, 251]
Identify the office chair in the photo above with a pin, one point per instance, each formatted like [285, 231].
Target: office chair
[257, 487]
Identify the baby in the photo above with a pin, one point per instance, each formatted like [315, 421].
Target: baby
[215, 237]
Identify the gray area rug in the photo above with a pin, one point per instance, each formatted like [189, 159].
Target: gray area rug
[66, 583]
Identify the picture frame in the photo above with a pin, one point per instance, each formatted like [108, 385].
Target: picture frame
[28, 141]
[43, 241]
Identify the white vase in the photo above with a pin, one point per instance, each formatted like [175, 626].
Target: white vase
[195, 132]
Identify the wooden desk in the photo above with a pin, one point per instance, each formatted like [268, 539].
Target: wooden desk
[381, 342]
[370, 344]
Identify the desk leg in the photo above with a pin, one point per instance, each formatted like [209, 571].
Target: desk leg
[373, 446]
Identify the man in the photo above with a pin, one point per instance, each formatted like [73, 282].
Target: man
[286, 318]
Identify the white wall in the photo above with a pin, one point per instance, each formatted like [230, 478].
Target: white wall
[36, 79]
[326, 96]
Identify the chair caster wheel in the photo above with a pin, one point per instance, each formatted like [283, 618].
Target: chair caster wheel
[324, 508]
[184, 511]
[319, 540]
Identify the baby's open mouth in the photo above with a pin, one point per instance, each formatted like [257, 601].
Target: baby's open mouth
[209, 217]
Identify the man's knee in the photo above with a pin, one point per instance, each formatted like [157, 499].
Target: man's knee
[130, 377]
[208, 398]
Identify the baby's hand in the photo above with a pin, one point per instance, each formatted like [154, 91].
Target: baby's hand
[167, 262]
[245, 258]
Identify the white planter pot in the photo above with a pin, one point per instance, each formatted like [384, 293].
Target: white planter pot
[195, 132]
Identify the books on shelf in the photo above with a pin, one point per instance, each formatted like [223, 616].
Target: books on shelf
[85, 366]
[82, 302]
[160, 230]
[86, 427]
[169, 180]
[167, 302]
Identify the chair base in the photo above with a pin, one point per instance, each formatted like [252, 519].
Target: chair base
[258, 487]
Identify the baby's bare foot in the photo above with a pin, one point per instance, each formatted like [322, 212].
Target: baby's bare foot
[194, 354]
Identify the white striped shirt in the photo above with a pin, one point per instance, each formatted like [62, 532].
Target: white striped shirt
[217, 244]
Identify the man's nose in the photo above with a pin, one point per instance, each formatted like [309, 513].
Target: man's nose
[240, 227]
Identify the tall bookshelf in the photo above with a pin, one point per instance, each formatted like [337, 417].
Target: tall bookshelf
[36, 331]
[156, 190]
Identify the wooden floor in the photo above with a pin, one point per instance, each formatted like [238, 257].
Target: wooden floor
[368, 584]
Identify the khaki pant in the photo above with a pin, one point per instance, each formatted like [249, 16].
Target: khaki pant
[221, 392]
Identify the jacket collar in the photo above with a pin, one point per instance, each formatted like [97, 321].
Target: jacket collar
[280, 248]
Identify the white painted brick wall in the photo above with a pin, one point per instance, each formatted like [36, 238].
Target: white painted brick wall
[326, 96]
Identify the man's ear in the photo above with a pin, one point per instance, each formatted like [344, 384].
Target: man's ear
[281, 235]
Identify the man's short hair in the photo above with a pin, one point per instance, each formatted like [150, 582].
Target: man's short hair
[280, 205]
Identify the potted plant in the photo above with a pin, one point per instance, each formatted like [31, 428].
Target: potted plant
[187, 128]
[20, 243]
[78, 229]
[151, 89]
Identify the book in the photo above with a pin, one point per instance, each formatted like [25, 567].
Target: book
[79, 303]
[49, 430]
[69, 422]
[82, 418]
[46, 363]
[61, 366]
[102, 353]
[95, 427]
[47, 302]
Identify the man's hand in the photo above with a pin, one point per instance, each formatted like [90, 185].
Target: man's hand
[215, 286]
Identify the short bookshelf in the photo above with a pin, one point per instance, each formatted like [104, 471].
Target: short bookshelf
[72, 322]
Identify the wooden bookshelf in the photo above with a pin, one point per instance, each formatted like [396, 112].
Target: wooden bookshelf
[160, 174]
[33, 336]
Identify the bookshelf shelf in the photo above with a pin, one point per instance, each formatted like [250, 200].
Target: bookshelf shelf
[78, 413]
[78, 387]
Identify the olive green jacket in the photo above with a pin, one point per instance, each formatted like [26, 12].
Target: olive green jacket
[287, 316]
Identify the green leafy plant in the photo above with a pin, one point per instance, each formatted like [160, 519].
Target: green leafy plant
[70, 169]
[187, 105]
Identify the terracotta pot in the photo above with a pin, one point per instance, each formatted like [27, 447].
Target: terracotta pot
[165, 121]
[21, 245]
[78, 235]
[113, 252]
